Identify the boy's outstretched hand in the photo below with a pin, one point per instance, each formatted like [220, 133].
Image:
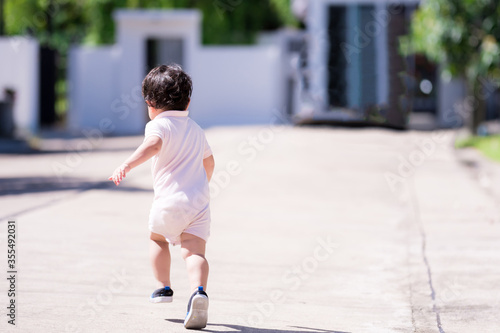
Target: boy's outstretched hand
[150, 147]
[120, 173]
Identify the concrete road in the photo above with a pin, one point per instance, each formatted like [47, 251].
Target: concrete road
[314, 230]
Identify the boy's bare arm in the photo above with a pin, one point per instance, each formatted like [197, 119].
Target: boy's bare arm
[150, 147]
[209, 165]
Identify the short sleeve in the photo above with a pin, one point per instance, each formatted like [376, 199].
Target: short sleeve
[207, 150]
[153, 128]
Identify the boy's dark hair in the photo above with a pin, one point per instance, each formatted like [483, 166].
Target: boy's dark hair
[167, 88]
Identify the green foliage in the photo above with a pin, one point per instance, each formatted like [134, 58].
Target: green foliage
[238, 24]
[463, 35]
[55, 23]
[60, 23]
[489, 146]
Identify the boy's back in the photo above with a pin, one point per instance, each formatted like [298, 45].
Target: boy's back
[180, 182]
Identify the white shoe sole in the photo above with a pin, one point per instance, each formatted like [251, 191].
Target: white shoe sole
[198, 314]
[164, 299]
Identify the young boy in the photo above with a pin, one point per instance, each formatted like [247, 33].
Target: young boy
[182, 167]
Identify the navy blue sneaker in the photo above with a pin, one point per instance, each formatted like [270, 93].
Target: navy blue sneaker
[197, 311]
[162, 295]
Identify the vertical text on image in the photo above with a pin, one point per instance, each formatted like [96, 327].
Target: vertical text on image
[11, 272]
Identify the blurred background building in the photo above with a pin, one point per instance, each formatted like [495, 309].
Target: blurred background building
[233, 85]
[339, 61]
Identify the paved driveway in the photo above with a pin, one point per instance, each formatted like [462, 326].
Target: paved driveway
[314, 230]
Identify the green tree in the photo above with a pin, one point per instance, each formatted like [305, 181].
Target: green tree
[60, 23]
[461, 35]
[56, 24]
[224, 21]
[2, 19]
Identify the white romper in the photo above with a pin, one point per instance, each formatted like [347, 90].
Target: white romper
[181, 192]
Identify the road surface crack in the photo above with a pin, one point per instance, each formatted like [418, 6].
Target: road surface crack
[416, 217]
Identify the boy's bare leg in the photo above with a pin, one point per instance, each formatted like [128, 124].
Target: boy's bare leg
[193, 252]
[160, 259]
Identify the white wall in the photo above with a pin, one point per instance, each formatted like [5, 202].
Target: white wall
[19, 71]
[232, 85]
[94, 89]
[235, 85]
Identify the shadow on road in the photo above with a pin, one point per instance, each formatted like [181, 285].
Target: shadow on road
[22, 185]
[246, 329]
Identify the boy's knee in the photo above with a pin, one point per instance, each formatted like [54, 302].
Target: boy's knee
[187, 253]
